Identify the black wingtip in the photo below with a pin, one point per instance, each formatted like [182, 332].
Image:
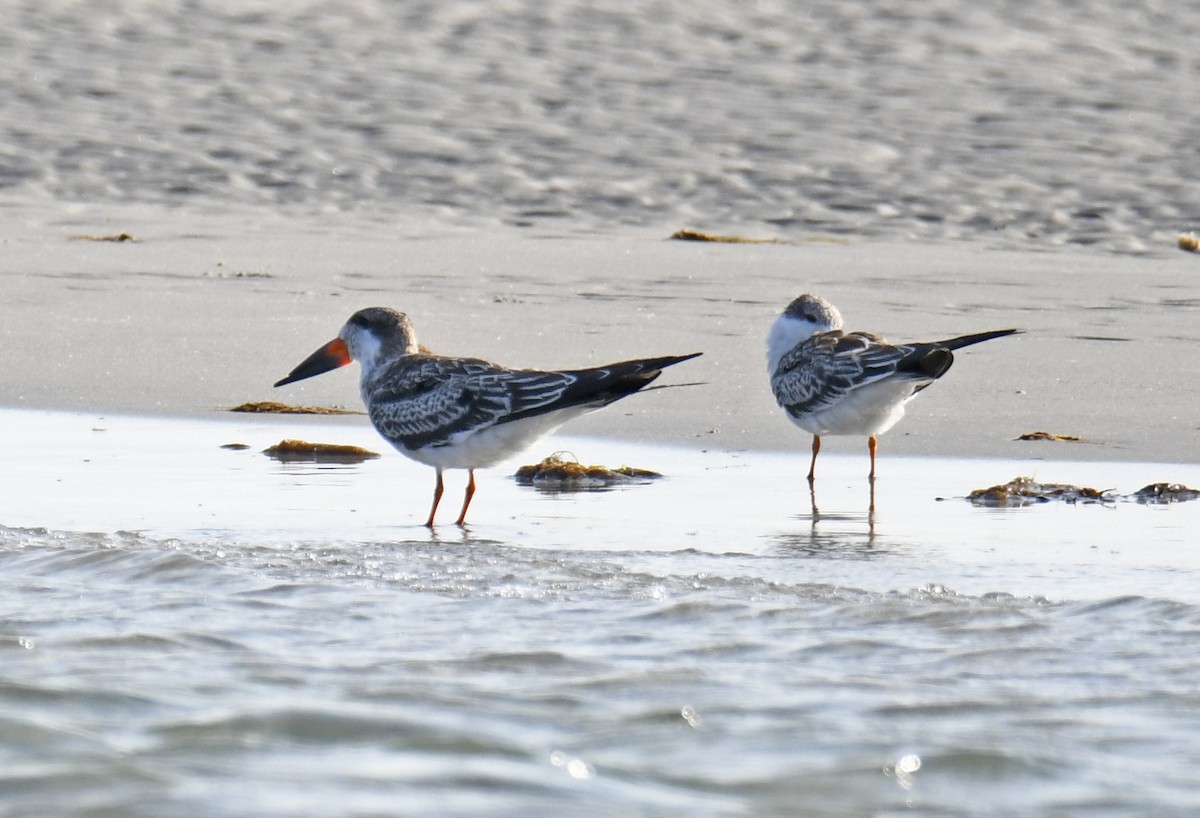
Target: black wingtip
[667, 360]
[936, 362]
[644, 371]
[977, 338]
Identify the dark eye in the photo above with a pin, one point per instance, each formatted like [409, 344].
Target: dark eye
[361, 319]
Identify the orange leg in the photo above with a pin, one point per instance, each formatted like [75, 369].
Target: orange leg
[871, 445]
[812, 467]
[462, 517]
[437, 498]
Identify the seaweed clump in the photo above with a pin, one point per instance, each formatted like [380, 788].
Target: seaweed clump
[276, 408]
[561, 472]
[1163, 493]
[697, 235]
[301, 451]
[1024, 491]
[116, 237]
[1050, 436]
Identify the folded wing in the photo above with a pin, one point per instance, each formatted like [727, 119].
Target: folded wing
[434, 401]
[821, 370]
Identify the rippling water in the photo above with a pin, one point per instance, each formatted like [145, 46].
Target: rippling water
[250, 637]
[147, 678]
[1028, 123]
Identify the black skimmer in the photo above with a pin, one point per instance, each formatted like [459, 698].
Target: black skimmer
[464, 413]
[836, 383]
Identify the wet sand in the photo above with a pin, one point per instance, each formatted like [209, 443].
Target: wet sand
[171, 480]
[200, 313]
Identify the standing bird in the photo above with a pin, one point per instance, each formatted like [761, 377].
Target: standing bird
[836, 383]
[464, 413]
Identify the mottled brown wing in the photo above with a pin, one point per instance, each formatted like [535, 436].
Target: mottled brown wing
[823, 369]
[431, 401]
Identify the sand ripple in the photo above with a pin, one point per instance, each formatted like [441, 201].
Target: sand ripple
[1018, 122]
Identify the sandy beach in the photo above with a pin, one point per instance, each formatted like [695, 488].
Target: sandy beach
[194, 196]
[200, 313]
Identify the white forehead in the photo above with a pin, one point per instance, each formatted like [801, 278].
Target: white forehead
[363, 344]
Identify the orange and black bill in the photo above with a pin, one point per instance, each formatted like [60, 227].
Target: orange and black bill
[330, 356]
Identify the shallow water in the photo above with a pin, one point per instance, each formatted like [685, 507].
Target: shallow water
[192, 630]
[1032, 123]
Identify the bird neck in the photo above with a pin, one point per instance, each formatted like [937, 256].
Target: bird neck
[785, 333]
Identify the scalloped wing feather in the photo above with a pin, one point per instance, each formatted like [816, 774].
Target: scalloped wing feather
[823, 369]
[432, 402]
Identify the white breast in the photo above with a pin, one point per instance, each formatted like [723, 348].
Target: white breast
[868, 410]
[480, 448]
